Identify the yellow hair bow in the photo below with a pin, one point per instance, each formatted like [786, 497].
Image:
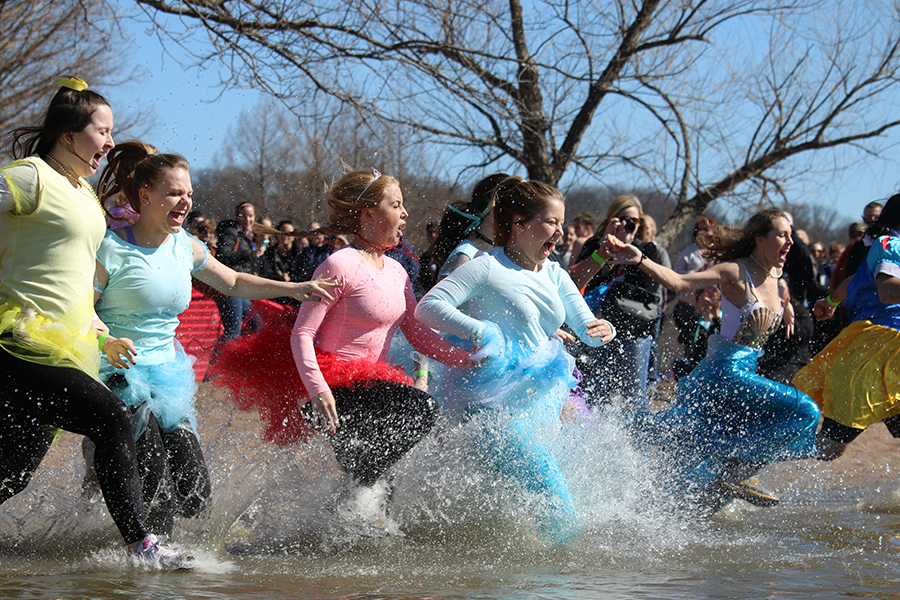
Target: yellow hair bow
[73, 83]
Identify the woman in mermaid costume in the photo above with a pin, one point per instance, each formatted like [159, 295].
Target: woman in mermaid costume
[728, 422]
[143, 283]
[517, 300]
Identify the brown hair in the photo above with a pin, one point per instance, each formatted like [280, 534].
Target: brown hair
[702, 221]
[134, 165]
[517, 200]
[69, 111]
[730, 243]
[454, 225]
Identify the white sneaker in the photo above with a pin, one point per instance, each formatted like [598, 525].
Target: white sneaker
[152, 552]
[365, 509]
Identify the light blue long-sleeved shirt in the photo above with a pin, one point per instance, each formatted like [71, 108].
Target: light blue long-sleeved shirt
[528, 306]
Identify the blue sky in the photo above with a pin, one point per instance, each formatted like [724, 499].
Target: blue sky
[187, 112]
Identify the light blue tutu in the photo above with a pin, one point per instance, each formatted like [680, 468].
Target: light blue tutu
[515, 378]
[515, 400]
[163, 386]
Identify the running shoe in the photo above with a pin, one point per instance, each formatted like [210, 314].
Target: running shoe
[152, 552]
[365, 509]
[750, 491]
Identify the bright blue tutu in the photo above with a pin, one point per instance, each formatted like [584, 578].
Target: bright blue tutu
[725, 410]
[163, 386]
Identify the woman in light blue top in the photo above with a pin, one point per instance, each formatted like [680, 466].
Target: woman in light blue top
[143, 283]
[517, 300]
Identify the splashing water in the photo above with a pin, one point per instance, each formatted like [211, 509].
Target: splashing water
[272, 530]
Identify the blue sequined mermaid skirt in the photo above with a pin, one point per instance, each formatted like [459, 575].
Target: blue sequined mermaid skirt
[725, 410]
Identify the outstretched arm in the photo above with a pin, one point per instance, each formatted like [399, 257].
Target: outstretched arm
[584, 270]
[251, 287]
[630, 255]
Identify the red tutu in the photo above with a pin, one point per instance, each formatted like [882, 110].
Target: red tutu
[260, 371]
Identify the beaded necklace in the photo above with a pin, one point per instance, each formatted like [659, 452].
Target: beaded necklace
[765, 270]
[81, 182]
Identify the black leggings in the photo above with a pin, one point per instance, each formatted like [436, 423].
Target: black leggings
[174, 477]
[844, 434]
[379, 423]
[35, 400]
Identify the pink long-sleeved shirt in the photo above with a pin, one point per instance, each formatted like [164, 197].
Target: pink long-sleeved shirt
[369, 304]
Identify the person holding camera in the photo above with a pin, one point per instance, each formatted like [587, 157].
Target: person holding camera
[627, 298]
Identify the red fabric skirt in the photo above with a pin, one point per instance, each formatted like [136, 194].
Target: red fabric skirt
[260, 371]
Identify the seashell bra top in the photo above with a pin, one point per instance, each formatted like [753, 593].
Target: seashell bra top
[751, 324]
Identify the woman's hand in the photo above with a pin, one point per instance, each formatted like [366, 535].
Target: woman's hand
[315, 290]
[601, 329]
[823, 310]
[323, 412]
[569, 413]
[788, 319]
[116, 348]
[564, 336]
[622, 253]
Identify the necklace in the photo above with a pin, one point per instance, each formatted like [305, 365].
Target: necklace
[402, 247]
[765, 270]
[81, 183]
[483, 238]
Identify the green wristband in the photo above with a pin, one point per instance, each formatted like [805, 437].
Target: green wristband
[830, 301]
[100, 339]
[421, 373]
[599, 259]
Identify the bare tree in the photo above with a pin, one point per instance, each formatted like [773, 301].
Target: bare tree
[285, 166]
[700, 99]
[47, 39]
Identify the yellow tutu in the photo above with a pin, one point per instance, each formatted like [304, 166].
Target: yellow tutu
[856, 378]
[29, 335]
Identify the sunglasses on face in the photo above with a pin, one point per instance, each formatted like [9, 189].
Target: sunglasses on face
[630, 224]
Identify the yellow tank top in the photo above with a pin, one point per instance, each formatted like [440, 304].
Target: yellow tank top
[48, 247]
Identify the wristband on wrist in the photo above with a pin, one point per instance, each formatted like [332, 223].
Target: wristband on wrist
[100, 339]
[599, 259]
[643, 256]
[830, 301]
[421, 373]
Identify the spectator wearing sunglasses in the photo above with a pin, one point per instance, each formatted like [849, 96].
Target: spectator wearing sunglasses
[855, 252]
[859, 251]
[629, 299]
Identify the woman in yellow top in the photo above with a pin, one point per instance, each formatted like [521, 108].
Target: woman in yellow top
[51, 225]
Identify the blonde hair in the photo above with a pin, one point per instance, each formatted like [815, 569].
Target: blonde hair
[356, 191]
[619, 204]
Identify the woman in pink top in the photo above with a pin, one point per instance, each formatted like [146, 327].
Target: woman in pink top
[369, 409]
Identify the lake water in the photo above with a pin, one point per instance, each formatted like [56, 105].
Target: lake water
[271, 533]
